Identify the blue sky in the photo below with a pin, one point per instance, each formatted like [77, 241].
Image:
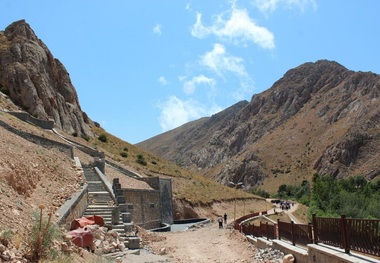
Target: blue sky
[144, 67]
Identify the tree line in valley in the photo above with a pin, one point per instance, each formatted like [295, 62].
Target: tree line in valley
[327, 196]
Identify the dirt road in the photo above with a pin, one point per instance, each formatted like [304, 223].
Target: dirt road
[203, 244]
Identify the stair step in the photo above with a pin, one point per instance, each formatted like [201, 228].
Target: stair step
[102, 203]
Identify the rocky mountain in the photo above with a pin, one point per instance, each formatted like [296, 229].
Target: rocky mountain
[319, 117]
[38, 82]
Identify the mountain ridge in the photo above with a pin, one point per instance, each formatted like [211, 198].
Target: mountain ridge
[336, 107]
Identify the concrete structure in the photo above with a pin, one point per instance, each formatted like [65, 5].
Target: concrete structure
[149, 208]
[312, 253]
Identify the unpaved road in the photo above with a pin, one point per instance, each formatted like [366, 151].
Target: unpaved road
[203, 244]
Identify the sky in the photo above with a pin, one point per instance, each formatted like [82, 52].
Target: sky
[141, 68]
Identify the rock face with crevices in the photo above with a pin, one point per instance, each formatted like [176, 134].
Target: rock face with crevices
[38, 82]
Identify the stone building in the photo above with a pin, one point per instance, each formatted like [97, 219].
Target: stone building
[149, 208]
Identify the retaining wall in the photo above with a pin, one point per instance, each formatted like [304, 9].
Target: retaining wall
[123, 170]
[73, 208]
[67, 149]
[44, 124]
[146, 209]
[313, 253]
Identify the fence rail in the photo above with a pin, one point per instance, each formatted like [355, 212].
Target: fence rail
[361, 235]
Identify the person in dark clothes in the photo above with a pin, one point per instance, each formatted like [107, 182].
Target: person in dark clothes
[220, 221]
[225, 218]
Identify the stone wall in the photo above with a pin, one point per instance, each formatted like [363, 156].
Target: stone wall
[123, 170]
[44, 142]
[166, 196]
[73, 208]
[146, 207]
[48, 124]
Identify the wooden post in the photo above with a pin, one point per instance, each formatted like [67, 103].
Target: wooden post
[315, 228]
[346, 242]
[292, 232]
[310, 233]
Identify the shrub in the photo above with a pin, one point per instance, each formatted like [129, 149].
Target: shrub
[41, 235]
[5, 237]
[4, 90]
[125, 149]
[124, 154]
[85, 137]
[141, 160]
[102, 138]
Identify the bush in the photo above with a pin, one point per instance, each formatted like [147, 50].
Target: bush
[102, 138]
[124, 154]
[85, 137]
[141, 160]
[41, 235]
[260, 192]
[125, 149]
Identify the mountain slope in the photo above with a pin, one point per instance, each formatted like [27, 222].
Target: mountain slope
[38, 82]
[319, 117]
[178, 144]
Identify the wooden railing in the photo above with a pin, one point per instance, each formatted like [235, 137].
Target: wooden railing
[361, 235]
[298, 234]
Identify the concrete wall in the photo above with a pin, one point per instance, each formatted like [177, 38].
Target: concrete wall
[166, 196]
[146, 211]
[327, 254]
[44, 124]
[164, 186]
[123, 170]
[67, 149]
[312, 253]
[73, 208]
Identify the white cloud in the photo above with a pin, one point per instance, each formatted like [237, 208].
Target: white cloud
[199, 30]
[157, 29]
[269, 6]
[162, 80]
[238, 28]
[190, 85]
[219, 61]
[175, 112]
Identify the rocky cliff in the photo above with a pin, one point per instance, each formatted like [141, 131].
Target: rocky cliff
[38, 82]
[319, 117]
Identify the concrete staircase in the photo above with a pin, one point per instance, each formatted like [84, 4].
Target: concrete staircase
[101, 203]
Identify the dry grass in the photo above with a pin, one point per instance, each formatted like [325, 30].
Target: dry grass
[302, 214]
[189, 186]
[4, 43]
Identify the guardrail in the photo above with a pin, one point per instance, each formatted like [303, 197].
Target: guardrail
[361, 235]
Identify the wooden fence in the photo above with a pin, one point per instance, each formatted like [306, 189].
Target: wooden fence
[361, 235]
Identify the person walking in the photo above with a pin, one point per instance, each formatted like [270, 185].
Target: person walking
[225, 218]
[220, 221]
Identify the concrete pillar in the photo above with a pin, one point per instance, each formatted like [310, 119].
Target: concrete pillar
[133, 242]
[123, 207]
[115, 216]
[127, 217]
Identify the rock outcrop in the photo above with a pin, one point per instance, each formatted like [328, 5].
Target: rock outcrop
[319, 117]
[38, 82]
